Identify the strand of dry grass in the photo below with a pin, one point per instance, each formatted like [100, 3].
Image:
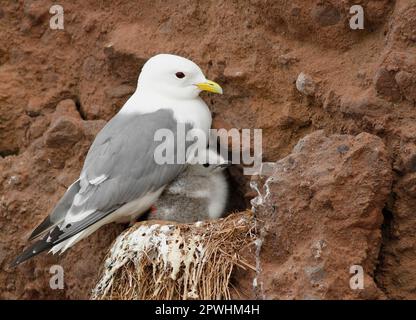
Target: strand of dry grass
[155, 260]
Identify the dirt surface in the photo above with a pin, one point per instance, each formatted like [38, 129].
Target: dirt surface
[58, 87]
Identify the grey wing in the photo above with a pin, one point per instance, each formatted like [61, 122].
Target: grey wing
[58, 212]
[119, 168]
[120, 165]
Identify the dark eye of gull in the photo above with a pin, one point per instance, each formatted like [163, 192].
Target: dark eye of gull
[180, 75]
[206, 165]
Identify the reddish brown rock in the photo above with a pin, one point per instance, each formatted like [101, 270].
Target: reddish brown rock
[406, 82]
[398, 255]
[68, 108]
[95, 61]
[36, 11]
[34, 106]
[120, 91]
[123, 52]
[386, 85]
[63, 133]
[31, 183]
[326, 14]
[313, 231]
[403, 30]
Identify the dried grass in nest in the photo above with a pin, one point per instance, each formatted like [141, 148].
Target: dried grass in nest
[154, 260]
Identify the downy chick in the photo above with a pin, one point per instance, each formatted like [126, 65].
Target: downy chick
[199, 193]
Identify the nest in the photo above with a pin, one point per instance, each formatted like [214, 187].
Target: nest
[155, 260]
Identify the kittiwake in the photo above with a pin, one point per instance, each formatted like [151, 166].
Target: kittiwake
[120, 179]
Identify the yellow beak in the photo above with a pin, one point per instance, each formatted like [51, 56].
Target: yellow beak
[210, 86]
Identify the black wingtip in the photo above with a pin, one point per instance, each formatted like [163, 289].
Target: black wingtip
[18, 260]
[21, 258]
[15, 263]
[40, 229]
[33, 250]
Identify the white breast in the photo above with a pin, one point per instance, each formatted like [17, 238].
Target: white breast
[194, 111]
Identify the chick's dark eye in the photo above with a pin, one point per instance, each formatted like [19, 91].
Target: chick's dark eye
[206, 165]
[180, 75]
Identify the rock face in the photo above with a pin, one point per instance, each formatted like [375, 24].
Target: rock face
[322, 212]
[58, 87]
[32, 182]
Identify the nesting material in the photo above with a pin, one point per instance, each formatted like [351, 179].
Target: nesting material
[153, 260]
